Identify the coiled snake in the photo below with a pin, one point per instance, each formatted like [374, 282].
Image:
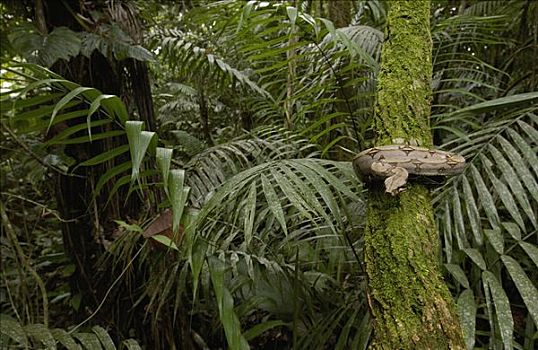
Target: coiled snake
[396, 162]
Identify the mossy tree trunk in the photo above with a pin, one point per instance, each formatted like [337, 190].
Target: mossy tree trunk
[409, 301]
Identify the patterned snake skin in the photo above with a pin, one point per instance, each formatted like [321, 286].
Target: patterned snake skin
[396, 162]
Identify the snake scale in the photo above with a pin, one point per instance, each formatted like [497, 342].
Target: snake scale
[395, 162]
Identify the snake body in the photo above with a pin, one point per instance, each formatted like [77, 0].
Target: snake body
[396, 162]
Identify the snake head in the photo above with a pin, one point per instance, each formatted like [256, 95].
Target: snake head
[396, 177]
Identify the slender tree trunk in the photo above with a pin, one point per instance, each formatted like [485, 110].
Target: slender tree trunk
[409, 301]
[204, 117]
[289, 103]
[340, 12]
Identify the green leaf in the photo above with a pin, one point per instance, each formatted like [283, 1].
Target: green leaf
[13, 330]
[38, 124]
[458, 274]
[337, 183]
[496, 104]
[446, 228]
[476, 257]
[129, 227]
[35, 85]
[513, 230]
[164, 158]
[329, 25]
[273, 202]
[467, 316]
[472, 211]
[85, 139]
[45, 49]
[458, 219]
[178, 196]
[166, 241]
[65, 339]
[127, 179]
[250, 213]
[245, 14]
[230, 321]
[321, 187]
[363, 335]
[502, 308]
[89, 341]
[310, 20]
[496, 240]
[67, 98]
[531, 131]
[260, 328]
[111, 104]
[64, 134]
[104, 337]
[23, 103]
[356, 49]
[103, 157]
[504, 193]
[197, 253]
[520, 166]
[41, 334]
[485, 198]
[138, 142]
[131, 344]
[292, 14]
[109, 175]
[531, 250]
[513, 180]
[295, 199]
[526, 289]
[344, 337]
[525, 149]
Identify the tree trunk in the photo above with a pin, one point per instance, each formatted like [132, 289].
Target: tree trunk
[409, 301]
[340, 12]
[291, 54]
[204, 116]
[88, 221]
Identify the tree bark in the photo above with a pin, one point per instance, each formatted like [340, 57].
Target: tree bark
[204, 117]
[89, 222]
[340, 12]
[289, 102]
[409, 301]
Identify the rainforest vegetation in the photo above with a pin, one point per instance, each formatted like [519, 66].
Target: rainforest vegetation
[178, 174]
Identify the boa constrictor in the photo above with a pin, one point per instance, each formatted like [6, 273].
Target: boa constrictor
[396, 162]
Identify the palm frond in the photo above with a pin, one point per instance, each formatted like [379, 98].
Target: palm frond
[488, 214]
[15, 334]
[209, 169]
[184, 55]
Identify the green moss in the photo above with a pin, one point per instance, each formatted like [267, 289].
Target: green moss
[410, 303]
[404, 80]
